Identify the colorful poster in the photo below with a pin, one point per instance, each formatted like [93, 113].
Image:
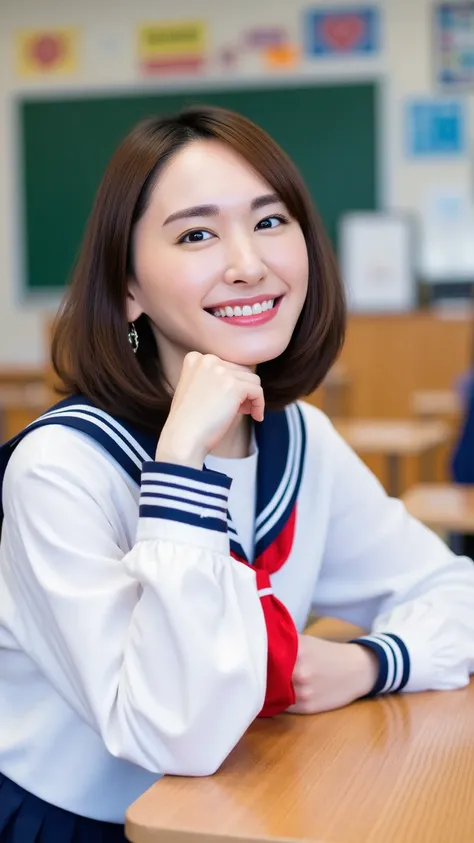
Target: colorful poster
[281, 57]
[262, 37]
[436, 127]
[172, 47]
[347, 31]
[454, 45]
[47, 52]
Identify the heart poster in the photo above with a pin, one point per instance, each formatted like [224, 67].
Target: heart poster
[346, 31]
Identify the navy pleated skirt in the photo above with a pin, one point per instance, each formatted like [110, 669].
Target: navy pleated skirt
[26, 819]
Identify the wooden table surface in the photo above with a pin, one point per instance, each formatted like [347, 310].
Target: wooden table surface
[397, 438]
[442, 506]
[429, 403]
[393, 770]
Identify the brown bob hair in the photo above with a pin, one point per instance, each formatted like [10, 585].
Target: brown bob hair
[90, 351]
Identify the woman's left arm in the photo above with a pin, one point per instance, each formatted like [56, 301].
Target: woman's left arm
[387, 573]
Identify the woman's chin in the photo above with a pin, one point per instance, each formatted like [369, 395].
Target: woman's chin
[251, 357]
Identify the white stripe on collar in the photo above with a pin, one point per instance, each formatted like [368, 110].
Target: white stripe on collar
[276, 507]
[105, 422]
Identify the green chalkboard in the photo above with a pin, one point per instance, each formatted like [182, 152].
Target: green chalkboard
[330, 131]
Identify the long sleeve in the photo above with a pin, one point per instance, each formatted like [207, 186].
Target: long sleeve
[162, 650]
[387, 573]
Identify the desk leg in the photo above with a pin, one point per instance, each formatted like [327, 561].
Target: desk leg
[428, 466]
[393, 475]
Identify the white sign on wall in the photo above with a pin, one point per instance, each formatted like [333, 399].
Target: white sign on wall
[447, 241]
[377, 262]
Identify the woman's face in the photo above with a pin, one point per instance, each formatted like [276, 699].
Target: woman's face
[220, 267]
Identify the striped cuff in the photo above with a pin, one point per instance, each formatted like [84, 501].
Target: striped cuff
[393, 658]
[185, 495]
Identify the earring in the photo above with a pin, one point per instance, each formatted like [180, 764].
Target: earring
[133, 338]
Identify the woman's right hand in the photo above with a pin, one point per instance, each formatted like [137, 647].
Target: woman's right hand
[208, 397]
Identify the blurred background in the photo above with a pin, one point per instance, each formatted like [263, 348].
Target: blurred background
[374, 102]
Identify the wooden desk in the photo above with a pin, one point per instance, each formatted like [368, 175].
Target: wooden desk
[396, 440]
[394, 770]
[443, 507]
[435, 403]
[20, 405]
[333, 629]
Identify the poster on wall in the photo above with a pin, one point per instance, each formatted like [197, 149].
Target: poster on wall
[167, 48]
[436, 127]
[454, 45]
[378, 261]
[281, 57]
[266, 47]
[273, 45]
[261, 37]
[345, 31]
[447, 242]
[51, 52]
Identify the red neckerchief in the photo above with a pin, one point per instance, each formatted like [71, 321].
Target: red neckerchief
[281, 442]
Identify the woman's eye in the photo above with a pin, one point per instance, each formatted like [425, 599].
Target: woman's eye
[271, 222]
[196, 236]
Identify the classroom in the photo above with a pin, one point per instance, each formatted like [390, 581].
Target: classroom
[328, 648]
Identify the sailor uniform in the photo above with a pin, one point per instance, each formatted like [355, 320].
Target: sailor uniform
[138, 634]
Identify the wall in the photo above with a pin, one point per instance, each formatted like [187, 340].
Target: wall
[404, 65]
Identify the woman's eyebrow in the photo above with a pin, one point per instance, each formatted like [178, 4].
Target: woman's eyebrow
[214, 210]
[196, 211]
[266, 199]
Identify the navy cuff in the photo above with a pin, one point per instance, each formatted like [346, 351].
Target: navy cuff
[393, 658]
[186, 495]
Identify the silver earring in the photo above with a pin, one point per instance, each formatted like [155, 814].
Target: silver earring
[133, 338]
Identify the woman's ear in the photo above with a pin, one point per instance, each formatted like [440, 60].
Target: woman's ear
[134, 308]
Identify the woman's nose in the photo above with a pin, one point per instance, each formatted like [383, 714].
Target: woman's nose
[245, 264]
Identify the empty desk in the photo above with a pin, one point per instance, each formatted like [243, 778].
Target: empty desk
[442, 507]
[435, 403]
[396, 440]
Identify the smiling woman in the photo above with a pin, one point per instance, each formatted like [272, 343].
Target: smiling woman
[199, 213]
[244, 247]
[169, 525]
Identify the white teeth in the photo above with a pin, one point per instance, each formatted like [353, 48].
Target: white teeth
[245, 310]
